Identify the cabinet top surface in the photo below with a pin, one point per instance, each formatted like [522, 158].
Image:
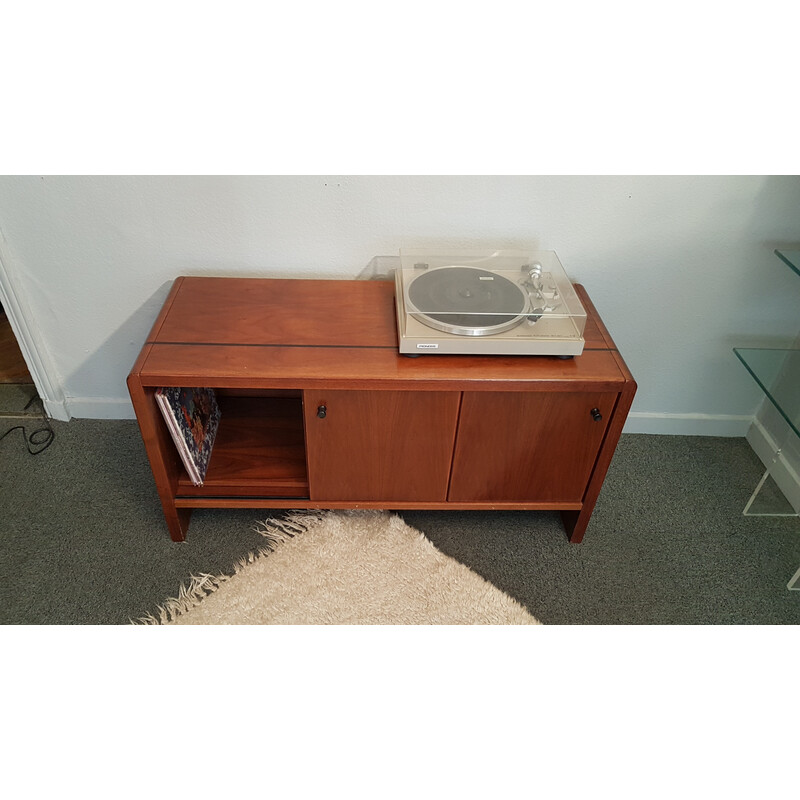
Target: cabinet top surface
[260, 311]
[254, 331]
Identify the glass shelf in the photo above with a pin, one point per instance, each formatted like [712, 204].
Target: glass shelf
[777, 372]
[791, 258]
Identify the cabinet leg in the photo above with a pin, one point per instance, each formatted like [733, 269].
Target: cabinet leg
[177, 523]
[575, 524]
[161, 454]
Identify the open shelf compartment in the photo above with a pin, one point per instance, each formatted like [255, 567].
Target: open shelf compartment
[259, 450]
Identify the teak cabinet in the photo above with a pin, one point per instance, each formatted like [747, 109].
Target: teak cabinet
[319, 409]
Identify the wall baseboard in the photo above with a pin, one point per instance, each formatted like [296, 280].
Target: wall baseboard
[638, 422]
[29, 340]
[56, 410]
[99, 408]
[784, 472]
[728, 425]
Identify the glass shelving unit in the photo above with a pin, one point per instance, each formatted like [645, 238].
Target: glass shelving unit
[777, 372]
[791, 258]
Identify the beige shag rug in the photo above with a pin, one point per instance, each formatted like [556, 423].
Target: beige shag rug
[342, 568]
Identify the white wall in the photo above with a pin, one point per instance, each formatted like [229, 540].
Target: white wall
[680, 268]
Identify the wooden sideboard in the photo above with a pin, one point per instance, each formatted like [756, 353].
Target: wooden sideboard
[319, 410]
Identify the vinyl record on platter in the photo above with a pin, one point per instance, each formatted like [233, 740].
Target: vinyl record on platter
[467, 301]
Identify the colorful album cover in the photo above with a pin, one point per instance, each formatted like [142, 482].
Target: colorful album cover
[192, 416]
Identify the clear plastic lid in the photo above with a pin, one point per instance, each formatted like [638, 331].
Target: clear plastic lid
[481, 294]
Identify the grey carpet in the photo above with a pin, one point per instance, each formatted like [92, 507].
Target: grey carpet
[15, 396]
[82, 539]
[667, 543]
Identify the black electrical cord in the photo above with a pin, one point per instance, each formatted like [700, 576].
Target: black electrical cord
[41, 438]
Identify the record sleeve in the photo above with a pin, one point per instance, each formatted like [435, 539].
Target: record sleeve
[192, 416]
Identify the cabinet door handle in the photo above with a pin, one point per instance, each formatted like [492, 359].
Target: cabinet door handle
[322, 412]
[596, 415]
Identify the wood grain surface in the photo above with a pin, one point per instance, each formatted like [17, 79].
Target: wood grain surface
[259, 451]
[13, 368]
[382, 446]
[435, 432]
[527, 447]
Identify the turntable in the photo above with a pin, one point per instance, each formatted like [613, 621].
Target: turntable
[499, 303]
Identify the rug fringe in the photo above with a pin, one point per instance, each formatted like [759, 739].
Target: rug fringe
[281, 529]
[199, 587]
[275, 530]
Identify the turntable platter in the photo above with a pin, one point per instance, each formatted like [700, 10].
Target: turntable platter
[467, 301]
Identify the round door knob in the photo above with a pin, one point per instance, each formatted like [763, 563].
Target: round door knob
[596, 415]
[322, 412]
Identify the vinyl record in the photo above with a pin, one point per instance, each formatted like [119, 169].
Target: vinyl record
[467, 301]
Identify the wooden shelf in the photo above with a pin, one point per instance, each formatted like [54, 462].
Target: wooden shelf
[259, 451]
